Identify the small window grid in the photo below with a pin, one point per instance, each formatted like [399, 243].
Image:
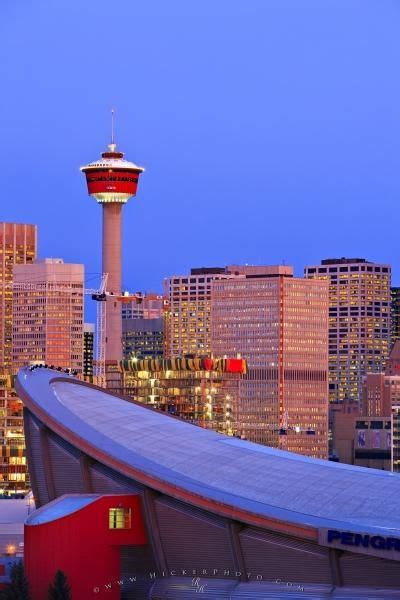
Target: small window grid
[119, 518]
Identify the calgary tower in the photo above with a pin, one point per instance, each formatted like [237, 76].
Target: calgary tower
[112, 180]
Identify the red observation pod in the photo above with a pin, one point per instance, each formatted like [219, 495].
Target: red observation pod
[112, 179]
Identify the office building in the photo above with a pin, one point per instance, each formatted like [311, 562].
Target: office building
[359, 322]
[278, 323]
[48, 314]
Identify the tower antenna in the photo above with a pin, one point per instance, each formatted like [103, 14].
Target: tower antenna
[112, 145]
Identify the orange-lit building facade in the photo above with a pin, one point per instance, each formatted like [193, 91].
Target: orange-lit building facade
[48, 314]
[359, 322]
[18, 246]
[279, 324]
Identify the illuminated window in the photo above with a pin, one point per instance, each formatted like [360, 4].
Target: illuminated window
[119, 518]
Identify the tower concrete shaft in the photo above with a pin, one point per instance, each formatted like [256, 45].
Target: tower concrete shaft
[112, 181]
[112, 264]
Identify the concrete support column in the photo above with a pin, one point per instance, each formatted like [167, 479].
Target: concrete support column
[112, 261]
[48, 471]
[153, 529]
[233, 529]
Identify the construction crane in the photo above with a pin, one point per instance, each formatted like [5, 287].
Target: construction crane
[100, 297]
[285, 427]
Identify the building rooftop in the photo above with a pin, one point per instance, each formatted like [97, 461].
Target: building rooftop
[207, 270]
[344, 261]
[228, 475]
[61, 507]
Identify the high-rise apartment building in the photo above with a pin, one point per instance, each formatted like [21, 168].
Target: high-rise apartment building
[18, 245]
[279, 324]
[48, 314]
[88, 349]
[359, 322]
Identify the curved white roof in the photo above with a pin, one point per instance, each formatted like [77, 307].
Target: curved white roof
[210, 469]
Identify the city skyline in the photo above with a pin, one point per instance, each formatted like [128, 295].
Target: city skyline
[200, 391]
[315, 135]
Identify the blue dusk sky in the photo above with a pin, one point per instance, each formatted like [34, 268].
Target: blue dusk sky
[269, 129]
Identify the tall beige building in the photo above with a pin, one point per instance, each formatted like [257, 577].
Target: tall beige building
[48, 314]
[187, 328]
[359, 322]
[279, 324]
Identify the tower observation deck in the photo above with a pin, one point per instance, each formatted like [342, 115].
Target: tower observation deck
[112, 180]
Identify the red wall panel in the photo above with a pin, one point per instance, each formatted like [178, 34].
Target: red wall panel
[83, 547]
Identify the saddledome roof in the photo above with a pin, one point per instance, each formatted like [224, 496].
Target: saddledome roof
[223, 474]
